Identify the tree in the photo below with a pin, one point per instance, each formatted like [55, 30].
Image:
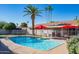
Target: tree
[49, 10]
[33, 12]
[77, 22]
[23, 24]
[2, 24]
[9, 26]
[76, 18]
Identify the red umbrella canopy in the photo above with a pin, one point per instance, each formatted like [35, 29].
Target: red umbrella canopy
[69, 26]
[41, 27]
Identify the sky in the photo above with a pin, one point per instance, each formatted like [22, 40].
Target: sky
[61, 12]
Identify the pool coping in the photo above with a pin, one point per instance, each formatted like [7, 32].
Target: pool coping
[16, 48]
[13, 46]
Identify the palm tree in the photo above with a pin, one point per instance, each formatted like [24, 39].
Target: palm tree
[77, 20]
[33, 12]
[49, 10]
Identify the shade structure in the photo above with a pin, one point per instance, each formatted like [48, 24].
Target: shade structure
[41, 27]
[69, 26]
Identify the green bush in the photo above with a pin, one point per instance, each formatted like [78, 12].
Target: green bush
[73, 45]
[9, 26]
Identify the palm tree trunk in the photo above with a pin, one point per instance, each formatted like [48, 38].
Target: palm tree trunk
[50, 15]
[33, 23]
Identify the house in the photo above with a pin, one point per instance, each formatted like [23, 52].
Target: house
[58, 29]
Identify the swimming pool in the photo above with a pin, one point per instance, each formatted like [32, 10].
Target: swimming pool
[36, 43]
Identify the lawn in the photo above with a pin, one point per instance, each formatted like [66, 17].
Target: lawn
[3, 36]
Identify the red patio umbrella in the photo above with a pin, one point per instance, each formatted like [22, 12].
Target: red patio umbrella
[41, 27]
[69, 26]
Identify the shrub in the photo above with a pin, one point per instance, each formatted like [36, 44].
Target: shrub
[9, 26]
[73, 45]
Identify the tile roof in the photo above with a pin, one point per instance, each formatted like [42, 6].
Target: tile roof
[72, 22]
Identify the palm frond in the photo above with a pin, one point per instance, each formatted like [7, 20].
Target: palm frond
[30, 10]
[49, 8]
[26, 14]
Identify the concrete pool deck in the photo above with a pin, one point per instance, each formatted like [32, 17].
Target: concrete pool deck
[18, 49]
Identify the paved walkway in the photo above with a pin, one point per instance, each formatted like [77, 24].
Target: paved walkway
[60, 50]
[4, 49]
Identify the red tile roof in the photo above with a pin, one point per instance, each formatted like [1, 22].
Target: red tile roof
[72, 22]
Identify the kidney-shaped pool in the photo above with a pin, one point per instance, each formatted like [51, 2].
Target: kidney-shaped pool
[36, 43]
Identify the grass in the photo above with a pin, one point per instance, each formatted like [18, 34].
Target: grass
[2, 36]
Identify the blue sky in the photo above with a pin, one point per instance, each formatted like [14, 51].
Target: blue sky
[14, 13]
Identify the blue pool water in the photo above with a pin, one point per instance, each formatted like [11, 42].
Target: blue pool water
[35, 43]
